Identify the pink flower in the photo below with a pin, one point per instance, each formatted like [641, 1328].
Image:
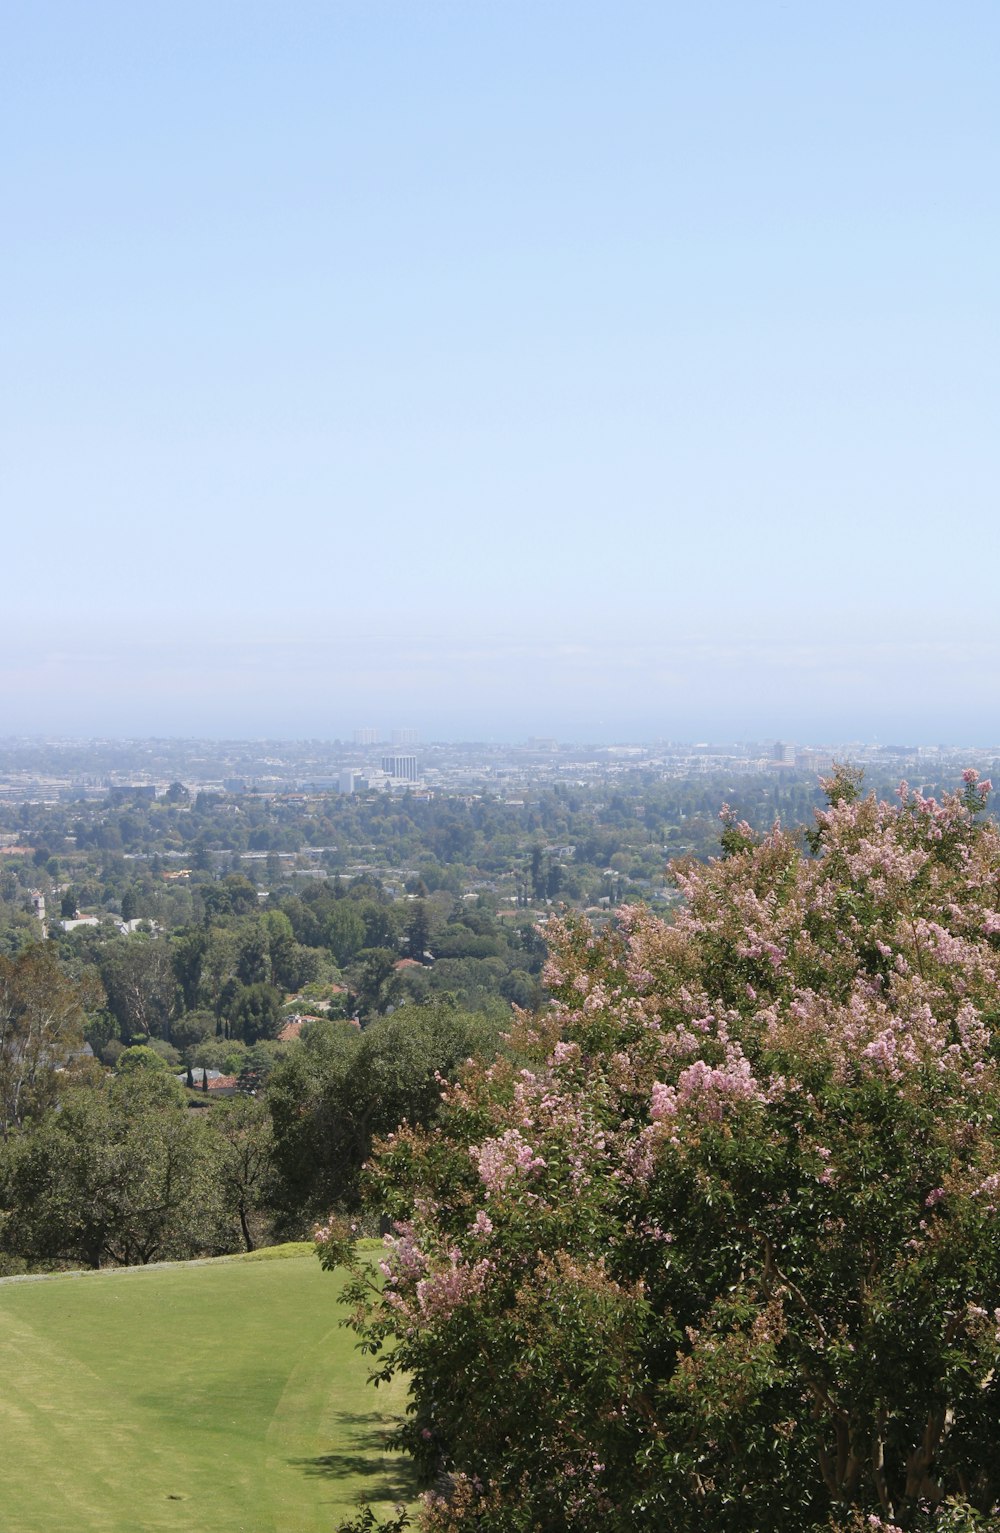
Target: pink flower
[440, 1294]
[500, 1159]
[706, 1089]
[663, 1102]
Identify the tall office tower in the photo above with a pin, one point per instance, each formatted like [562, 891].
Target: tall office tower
[366, 736]
[405, 737]
[404, 767]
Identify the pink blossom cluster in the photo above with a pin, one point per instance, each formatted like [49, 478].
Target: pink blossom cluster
[707, 1089]
[989, 1191]
[891, 1051]
[507, 1156]
[884, 862]
[440, 1294]
[407, 1257]
[971, 778]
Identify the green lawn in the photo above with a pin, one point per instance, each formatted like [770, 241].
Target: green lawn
[222, 1398]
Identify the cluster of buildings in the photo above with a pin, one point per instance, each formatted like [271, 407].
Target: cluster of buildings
[396, 771]
[136, 772]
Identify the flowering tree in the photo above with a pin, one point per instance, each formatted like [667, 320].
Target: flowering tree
[716, 1247]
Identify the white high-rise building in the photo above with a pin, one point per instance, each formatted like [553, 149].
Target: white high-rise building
[403, 767]
[366, 737]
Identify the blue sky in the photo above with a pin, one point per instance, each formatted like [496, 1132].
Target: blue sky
[500, 367]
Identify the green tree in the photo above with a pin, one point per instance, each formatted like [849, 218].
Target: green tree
[418, 932]
[253, 957]
[241, 894]
[255, 1013]
[192, 1028]
[137, 974]
[292, 965]
[187, 951]
[139, 1057]
[344, 931]
[341, 1089]
[121, 1174]
[217, 967]
[243, 1168]
[42, 1012]
[376, 981]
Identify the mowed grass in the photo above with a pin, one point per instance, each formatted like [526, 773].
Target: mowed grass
[224, 1396]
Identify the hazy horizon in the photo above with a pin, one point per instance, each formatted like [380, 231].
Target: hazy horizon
[692, 690]
[599, 372]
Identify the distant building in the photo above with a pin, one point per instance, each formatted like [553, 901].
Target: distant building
[348, 781]
[212, 1081]
[405, 738]
[366, 737]
[814, 761]
[402, 767]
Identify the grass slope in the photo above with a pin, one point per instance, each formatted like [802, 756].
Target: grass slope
[221, 1396]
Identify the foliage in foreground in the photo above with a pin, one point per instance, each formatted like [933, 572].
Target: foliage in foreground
[724, 1254]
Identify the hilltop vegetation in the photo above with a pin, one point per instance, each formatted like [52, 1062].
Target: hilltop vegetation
[330, 1003]
[703, 1233]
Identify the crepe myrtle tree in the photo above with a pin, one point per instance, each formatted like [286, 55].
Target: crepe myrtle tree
[718, 1246]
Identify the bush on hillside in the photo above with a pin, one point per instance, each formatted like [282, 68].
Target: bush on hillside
[722, 1255]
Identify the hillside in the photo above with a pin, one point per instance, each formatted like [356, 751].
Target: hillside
[223, 1395]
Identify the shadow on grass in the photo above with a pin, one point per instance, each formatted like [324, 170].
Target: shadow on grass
[364, 1459]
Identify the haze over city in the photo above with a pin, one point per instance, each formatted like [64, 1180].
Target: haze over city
[602, 372]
